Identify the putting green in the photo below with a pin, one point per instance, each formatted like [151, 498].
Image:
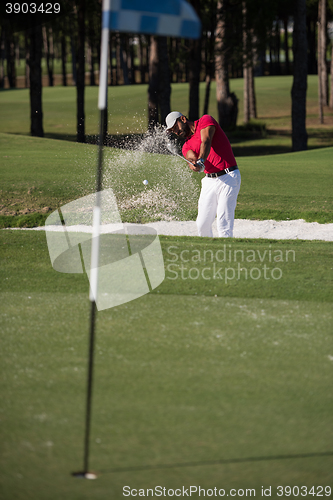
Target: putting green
[178, 380]
[190, 389]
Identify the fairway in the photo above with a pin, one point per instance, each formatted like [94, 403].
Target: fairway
[204, 383]
[127, 108]
[43, 174]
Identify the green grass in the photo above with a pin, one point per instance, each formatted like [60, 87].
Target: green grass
[128, 112]
[44, 174]
[218, 378]
[238, 385]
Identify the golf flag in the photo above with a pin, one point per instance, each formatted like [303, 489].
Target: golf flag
[156, 17]
[166, 18]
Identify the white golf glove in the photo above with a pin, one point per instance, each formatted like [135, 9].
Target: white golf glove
[201, 164]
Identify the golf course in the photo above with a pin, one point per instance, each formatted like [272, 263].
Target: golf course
[220, 378]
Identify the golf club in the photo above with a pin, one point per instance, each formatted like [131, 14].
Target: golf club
[169, 147]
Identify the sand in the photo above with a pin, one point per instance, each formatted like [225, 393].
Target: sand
[269, 229]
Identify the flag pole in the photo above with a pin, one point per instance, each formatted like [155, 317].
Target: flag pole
[188, 26]
[102, 105]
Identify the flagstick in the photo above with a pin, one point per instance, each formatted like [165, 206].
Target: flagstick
[102, 99]
[102, 104]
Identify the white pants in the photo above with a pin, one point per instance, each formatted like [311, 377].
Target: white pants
[218, 197]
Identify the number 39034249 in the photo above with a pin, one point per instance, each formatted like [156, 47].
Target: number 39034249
[295, 491]
[32, 8]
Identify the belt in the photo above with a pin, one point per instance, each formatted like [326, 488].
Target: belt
[222, 172]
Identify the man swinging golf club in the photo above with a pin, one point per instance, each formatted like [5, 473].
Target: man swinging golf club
[208, 149]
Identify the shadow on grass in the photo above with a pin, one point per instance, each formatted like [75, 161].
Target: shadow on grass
[132, 142]
[60, 137]
[258, 150]
[244, 142]
[217, 462]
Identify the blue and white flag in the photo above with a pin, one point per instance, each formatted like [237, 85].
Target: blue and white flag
[157, 17]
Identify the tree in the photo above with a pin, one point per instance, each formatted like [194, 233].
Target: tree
[299, 88]
[10, 55]
[35, 72]
[2, 56]
[80, 79]
[194, 70]
[93, 35]
[63, 58]
[153, 84]
[331, 89]
[322, 69]
[330, 14]
[209, 26]
[286, 45]
[227, 103]
[164, 87]
[250, 107]
[159, 89]
[311, 24]
[49, 52]
[194, 79]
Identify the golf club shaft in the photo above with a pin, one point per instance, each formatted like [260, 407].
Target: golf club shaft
[182, 157]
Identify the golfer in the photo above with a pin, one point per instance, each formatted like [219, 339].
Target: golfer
[208, 148]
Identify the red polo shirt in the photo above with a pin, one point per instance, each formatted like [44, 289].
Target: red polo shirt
[221, 155]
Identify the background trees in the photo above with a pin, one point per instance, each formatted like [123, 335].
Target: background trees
[298, 114]
[240, 38]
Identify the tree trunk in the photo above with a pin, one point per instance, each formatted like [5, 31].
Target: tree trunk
[298, 93]
[91, 31]
[92, 66]
[227, 103]
[142, 60]
[312, 46]
[246, 97]
[123, 59]
[131, 60]
[331, 89]
[147, 56]
[252, 94]
[210, 57]
[2, 56]
[74, 71]
[164, 86]
[194, 79]
[277, 48]
[246, 65]
[80, 83]
[153, 84]
[187, 66]
[194, 70]
[178, 68]
[49, 54]
[172, 59]
[35, 58]
[119, 60]
[322, 70]
[10, 56]
[63, 59]
[27, 58]
[271, 65]
[286, 46]
[111, 58]
[207, 94]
